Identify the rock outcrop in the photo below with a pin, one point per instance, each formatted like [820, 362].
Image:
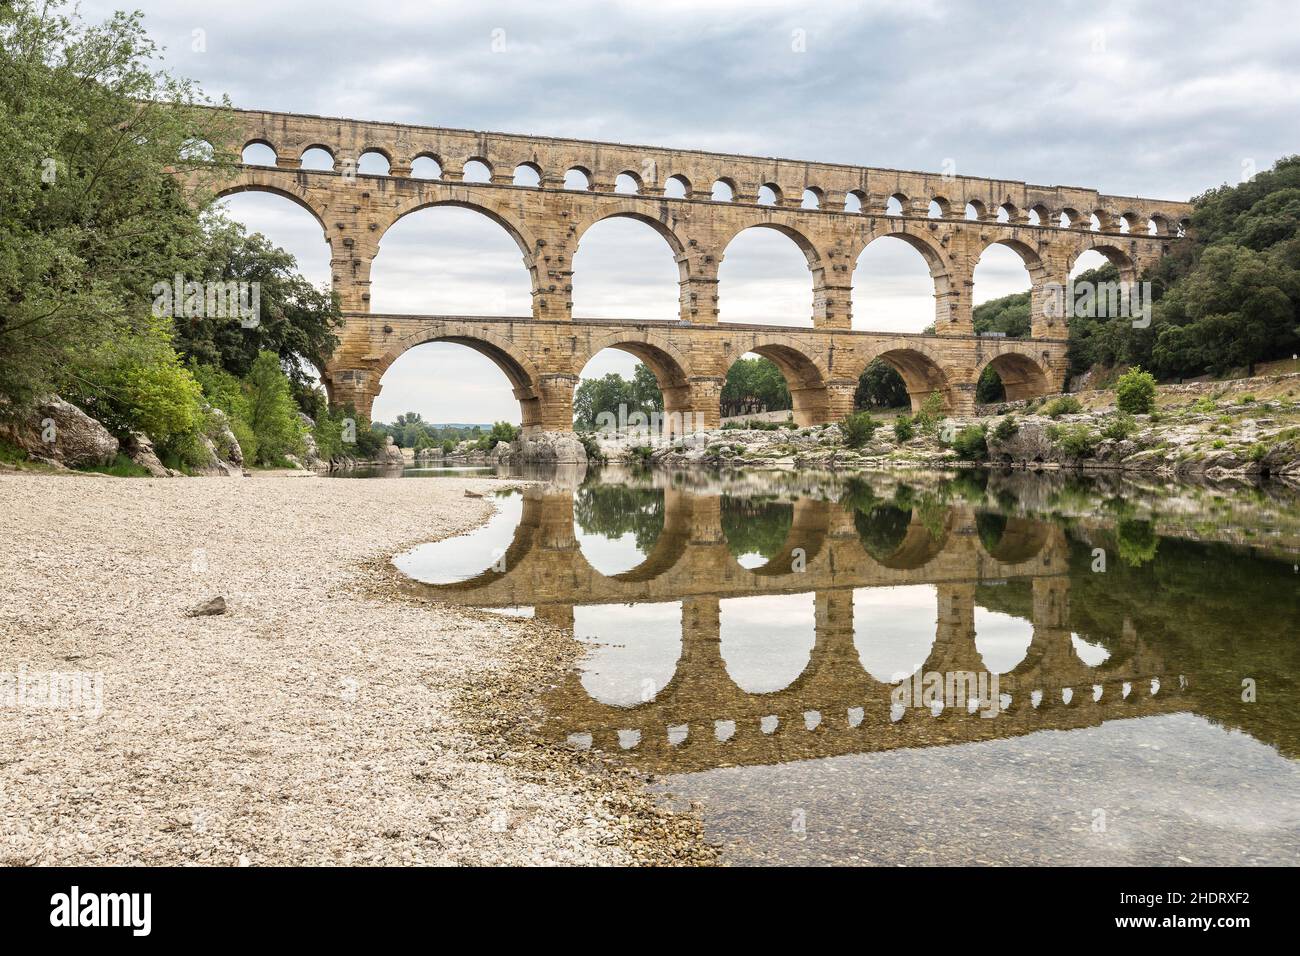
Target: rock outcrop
[139, 447]
[560, 448]
[59, 432]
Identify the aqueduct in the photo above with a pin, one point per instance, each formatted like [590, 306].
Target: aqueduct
[831, 211]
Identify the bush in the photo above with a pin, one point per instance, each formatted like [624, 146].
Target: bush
[501, 431]
[1135, 392]
[858, 429]
[904, 430]
[1065, 405]
[1120, 427]
[589, 447]
[1077, 440]
[927, 419]
[1005, 428]
[971, 443]
[272, 412]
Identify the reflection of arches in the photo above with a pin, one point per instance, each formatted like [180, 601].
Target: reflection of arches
[1022, 377]
[897, 538]
[623, 673]
[921, 374]
[808, 530]
[618, 528]
[894, 629]
[767, 642]
[804, 375]
[1002, 640]
[1011, 539]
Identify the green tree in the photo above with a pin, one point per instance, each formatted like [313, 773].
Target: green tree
[754, 380]
[1135, 392]
[272, 412]
[91, 212]
[880, 386]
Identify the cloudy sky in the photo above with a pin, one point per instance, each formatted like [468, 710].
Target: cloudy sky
[1148, 99]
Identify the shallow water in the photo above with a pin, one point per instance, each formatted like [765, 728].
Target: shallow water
[920, 670]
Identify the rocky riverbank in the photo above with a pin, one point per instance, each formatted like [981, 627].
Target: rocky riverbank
[1200, 434]
[322, 718]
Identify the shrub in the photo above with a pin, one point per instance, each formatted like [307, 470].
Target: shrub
[927, 419]
[1077, 440]
[971, 443]
[501, 431]
[1135, 392]
[858, 429]
[272, 412]
[1005, 428]
[1220, 443]
[1119, 427]
[590, 448]
[904, 430]
[1065, 405]
[1257, 451]
[1246, 400]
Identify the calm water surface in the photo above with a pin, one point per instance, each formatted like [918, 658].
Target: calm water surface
[980, 669]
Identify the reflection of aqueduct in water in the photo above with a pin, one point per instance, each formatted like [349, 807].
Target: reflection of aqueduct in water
[1049, 227]
[701, 718]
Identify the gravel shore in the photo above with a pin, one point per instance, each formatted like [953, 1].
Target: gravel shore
[322, 720]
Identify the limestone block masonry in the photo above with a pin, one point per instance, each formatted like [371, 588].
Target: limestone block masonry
[542, 354]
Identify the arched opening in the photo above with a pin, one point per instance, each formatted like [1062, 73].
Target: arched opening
[764, 278]
[372, 163]
[577, 179]
[258, 153]
[1002, 284]
[894, 629]
[769, 194]
[636, 389]
[1010, 378]
[894, 206]
[317, 158]
[975, 210]
[476, 171]
[894, 285]
[629, 184]
[287, 224]
[1035, 218]
[812, 198]
[881, 388]
[935, 210]
[723, 191]
[853, 201]
[921, 375]
[450, 259]
[767, 642]
[527, 175]
[426, 167]
[623, 673]
[625, 267]
[776, 377]
[677, 187]
[454, 379]
[197, 151]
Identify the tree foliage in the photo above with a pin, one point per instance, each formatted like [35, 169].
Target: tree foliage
[754, 381]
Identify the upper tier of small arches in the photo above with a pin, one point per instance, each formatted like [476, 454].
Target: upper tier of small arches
[373, 149]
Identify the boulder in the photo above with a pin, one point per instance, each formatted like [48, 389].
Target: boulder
[500, 452]
[139, 447]
[391, 454]
[561, 448]
[311, 452]
[60, 432]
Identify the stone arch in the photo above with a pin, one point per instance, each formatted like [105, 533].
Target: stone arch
[918, 238]
[627, 210]
[808, 533]
[521, 238]
[921, 372]
[1018, 539]
[1022, 375]
[806, 375]
[1114, 255]
[522, 374]
[300, 198]
[1038, 272]
[812, 256]
[671, 369]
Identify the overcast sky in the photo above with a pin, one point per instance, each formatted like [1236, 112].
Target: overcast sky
[1163, 100]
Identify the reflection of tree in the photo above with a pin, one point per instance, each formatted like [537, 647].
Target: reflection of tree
[1137, 541]
[882, 529]
[991, 526]
[756, 525]
[616, 510]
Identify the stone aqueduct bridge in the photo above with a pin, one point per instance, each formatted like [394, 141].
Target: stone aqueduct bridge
[543, 354]
[834, 706]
